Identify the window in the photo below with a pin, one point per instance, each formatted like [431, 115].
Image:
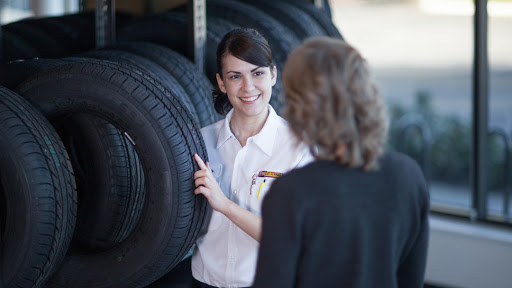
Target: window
[500, 110]
[421, 53]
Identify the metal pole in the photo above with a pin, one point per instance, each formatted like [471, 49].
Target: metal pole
[500, 133]
[105, 23]
[480, 110]
[1, 51]
[1, 261]
[197, 32]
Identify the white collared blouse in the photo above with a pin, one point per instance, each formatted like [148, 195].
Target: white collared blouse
[226, 256]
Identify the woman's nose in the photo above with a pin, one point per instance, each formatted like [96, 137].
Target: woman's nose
[248, 84]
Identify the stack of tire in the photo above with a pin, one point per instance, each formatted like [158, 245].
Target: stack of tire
[96, 165]
[127, 142]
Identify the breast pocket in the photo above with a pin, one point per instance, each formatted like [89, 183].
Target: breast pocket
[259, 189]
[216, 171]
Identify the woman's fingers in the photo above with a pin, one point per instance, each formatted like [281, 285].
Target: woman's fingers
[201, 190]
[200, 162]
[202, 181]
[201, 173]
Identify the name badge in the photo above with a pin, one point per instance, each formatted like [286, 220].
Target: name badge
[270, 174]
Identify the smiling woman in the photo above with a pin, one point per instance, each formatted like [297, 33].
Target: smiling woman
[248, 149]
[248, 88]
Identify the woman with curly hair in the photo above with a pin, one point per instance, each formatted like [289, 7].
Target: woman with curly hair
[357, 216]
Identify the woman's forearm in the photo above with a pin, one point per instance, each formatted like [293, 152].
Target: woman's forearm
[249, 222]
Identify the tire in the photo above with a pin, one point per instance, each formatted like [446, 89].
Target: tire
[322, 17]
[15, 47]
[143, 30]
[108, 173]
[151, 68]
[110, 182]
[196, 85]
[74, 32]
[15, 72]
[164, 136]
[46, 46]
[67, 31]
[37, 194]
[294, 18]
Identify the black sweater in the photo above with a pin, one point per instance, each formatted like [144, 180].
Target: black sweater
[325, 225]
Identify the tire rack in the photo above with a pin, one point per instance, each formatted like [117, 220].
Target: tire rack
[196, 10]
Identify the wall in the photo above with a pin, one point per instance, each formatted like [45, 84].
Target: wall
[468, 255]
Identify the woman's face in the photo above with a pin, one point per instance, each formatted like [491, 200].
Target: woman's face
[248, 86]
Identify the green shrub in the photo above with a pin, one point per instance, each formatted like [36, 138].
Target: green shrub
[442, 143]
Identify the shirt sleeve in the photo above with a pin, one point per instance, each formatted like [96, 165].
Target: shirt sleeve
[281, 239]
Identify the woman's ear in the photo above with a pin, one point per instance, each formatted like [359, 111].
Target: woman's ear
[340, 150]
[274, 76]
[220, 83]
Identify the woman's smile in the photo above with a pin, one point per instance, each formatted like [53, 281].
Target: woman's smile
[251, 99]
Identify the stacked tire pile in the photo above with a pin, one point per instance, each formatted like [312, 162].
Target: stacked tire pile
[96, 144]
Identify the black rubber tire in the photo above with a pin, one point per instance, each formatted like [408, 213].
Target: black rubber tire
[37, 194]
[75, 32]
[322, 17]
[110, 182]
[67, 31]
[296, 19]
[15, 47]
[109, 176]
[15, 72]
[151, 68]
[196, 85]
[165, 137]
[47, 46]
[143, 30]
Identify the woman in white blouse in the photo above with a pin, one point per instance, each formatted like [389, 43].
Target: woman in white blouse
[247, 150]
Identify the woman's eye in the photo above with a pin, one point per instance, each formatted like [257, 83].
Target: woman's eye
[234, 77]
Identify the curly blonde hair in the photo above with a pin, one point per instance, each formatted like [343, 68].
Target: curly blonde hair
[333, 104]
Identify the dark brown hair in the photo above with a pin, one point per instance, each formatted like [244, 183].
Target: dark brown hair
[332, 103]
[245, 44]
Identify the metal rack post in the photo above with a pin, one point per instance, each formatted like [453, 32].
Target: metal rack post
[105, 23]
[1, 38]
[196, 42]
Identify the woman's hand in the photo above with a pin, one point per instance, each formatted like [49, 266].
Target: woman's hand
[207, 185]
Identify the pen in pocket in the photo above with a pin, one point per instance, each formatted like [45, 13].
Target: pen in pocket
[261, 186]
[252, 183]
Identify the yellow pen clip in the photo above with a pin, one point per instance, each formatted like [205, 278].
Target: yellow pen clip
[261, 186]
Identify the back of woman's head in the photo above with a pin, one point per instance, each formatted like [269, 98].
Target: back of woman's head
[333, 104]
[245, 44]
